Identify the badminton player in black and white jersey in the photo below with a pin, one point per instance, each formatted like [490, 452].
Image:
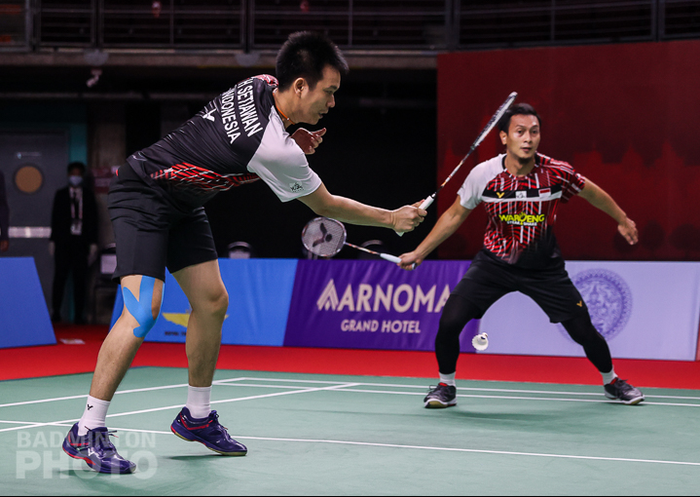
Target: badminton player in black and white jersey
[521, 191]
[155, 204]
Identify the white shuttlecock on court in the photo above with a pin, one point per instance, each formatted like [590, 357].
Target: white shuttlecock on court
[481, 341]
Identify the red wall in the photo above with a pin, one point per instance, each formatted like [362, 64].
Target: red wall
[626, 116]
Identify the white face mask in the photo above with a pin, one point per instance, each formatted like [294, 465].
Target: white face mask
[75, 181]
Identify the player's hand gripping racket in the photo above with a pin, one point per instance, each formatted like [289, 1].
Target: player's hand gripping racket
[326, 237]
[489, 126]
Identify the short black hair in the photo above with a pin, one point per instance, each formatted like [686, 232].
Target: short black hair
[517, 110]
[304, 55]
[77, 165]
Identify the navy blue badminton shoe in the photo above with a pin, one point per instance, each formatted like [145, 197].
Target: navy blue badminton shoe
[623, 391]
[441, 396]
[97, 450]
[207, 431]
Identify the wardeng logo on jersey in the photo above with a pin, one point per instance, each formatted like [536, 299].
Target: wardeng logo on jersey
[608, 298]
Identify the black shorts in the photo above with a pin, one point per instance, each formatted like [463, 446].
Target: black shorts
[151, 232]
[487, 280]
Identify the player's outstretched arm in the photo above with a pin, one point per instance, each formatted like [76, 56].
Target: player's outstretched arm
[603, 201]
[346, 210]
[443, 229]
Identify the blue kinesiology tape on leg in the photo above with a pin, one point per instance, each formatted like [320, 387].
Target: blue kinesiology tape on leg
[141, 308]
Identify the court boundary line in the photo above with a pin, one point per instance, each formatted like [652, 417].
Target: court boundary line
[480, 389]
[322, 382]
[179, 406]
[334, 386]
[118, 392]
[438, 449]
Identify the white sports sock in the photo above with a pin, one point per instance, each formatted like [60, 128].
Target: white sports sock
[95, 415]
[199, 401]
[609, 377]
[448, 379]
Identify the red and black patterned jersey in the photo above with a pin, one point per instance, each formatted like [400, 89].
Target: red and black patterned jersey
[236, 139]
[521, 210]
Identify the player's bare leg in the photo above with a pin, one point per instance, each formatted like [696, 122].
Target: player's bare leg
[120, 346]
[207, 295]
[89, 439]
[208, 298]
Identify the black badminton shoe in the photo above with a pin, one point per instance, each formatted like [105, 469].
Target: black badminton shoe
[441, 396]
[623, 391]
[208, 432]
[97, 450]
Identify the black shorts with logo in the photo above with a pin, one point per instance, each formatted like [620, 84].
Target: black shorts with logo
[489, 279]
[151, 232]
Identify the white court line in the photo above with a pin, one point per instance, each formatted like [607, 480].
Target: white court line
[19, 423]
[121, 392]
[472, 389]
[510, 397]
[321, 382]
[228, 382]
[251, 385]
[346, 387]
[440, 449]
[179, 406]
[286, 380]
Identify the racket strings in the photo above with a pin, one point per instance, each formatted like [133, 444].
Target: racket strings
[324, 237]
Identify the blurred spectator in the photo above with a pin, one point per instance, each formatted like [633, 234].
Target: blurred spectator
[4, 217]
[73, 239]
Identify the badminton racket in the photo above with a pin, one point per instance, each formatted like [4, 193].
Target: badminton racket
[489, 126]
[326, 237]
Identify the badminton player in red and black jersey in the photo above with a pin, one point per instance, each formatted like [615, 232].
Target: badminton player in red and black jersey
[521, 191]
[155, 204]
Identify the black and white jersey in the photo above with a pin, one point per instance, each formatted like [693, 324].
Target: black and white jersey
[522, 210]
[236, 139]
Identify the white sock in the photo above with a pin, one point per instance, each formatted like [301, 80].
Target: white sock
[609, 377]
[95, 415]
[199, 402]
[448, 379]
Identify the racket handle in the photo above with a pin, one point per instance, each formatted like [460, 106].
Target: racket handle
[426, 203]
[391, 258]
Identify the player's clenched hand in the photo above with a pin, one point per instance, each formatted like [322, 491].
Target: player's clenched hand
[307, 140]
[410, 261]
[407, 218]
[628, 229]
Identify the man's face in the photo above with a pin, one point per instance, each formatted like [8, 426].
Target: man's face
[523, 137]
[317, 102]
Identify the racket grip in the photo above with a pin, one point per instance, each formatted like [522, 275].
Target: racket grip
[426, 203]
[391, 258]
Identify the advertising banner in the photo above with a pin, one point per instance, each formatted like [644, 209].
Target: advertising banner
[371, 305]
[645, 310]
[259, 294]
[24, 317]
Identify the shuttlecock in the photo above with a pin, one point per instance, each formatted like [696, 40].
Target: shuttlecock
[481, 341]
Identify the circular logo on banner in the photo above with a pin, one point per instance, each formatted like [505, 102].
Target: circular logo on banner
[608, 298]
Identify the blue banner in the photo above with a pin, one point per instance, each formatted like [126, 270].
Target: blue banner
[372, 305]
[24, 317]
[260, 291]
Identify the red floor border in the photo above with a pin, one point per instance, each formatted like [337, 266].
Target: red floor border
[63, 358]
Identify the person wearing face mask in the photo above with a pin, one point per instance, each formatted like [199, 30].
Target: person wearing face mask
[73, 242]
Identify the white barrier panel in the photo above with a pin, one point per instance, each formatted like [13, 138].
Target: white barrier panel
[645, 310]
